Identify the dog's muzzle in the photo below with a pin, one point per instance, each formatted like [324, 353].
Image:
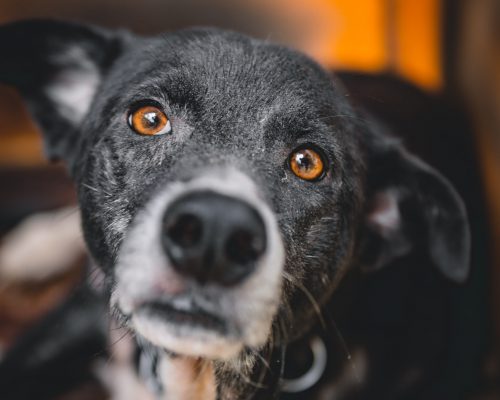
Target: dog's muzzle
[213, 237]
[200, 269]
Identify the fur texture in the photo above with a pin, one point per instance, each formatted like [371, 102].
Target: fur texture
[235, 104]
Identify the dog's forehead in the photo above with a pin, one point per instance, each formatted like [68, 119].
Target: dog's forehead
[232, 99]
[215, 68]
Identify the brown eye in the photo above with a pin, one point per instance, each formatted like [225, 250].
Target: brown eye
[307, 164]
[149, 120]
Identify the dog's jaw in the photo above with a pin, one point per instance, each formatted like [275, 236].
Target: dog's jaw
[144, 277]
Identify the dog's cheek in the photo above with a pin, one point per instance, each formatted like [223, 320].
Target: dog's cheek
[116, 174]
[316, 266]
[105, 203]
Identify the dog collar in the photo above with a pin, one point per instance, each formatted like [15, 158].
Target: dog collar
[313, 374]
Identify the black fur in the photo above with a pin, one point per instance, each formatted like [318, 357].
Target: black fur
[248, 104]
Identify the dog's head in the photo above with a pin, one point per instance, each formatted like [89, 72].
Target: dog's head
[225, 183]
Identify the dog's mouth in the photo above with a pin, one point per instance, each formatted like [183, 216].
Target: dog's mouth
[195, 317]
[187, 331]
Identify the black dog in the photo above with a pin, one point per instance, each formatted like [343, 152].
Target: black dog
[227, 188]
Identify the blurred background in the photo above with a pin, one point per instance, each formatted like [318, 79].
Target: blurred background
[429, 68]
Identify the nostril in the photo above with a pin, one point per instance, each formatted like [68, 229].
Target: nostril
[185, 231]
[243, 247]
[211, 237]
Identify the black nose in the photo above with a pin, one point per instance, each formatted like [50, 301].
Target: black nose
[212, 237]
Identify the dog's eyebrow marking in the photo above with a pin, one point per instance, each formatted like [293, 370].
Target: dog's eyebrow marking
[165, 91]
[151, 88]
[288, 121]
[139, 93]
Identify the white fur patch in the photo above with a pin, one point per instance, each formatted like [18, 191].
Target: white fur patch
[385, 215]
[73, 89]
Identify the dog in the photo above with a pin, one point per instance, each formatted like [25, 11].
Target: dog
[240, 208]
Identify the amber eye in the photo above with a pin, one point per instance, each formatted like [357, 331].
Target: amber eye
[149, 120]
[307, 164]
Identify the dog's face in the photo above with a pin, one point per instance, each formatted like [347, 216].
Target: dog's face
[225, 183]
[195, 223]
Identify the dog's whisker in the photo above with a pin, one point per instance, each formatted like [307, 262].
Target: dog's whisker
[268, 38]
[308, 294]
[284, 332]
[312, 256]
[343, 116]
[283, 346]
[112, 347]
[117, 328]
[263, 360]
[248, 381]
[96, 190]
[94, 276]
[288, 313]
[276, 336]
[345, 348]
[204, 365]
[127, 332]
[69, 212]
[283, 360]
[266, 362]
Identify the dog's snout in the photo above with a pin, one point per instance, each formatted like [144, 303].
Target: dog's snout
[213, 237]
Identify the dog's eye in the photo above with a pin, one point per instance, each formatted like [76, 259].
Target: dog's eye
[149, 120]
[307, 164]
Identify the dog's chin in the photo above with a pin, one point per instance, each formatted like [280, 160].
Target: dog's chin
[186, 333]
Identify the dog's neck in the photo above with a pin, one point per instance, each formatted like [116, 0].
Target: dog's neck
[186, 378]
[291, 370]
[174, 377]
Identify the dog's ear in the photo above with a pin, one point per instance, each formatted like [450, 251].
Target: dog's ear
[57, 67]
[411, 207]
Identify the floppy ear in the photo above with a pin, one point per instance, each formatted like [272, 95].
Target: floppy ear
[57, 66]
[411, 207]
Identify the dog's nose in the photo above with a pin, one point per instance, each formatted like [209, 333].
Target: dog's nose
[213, 237]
